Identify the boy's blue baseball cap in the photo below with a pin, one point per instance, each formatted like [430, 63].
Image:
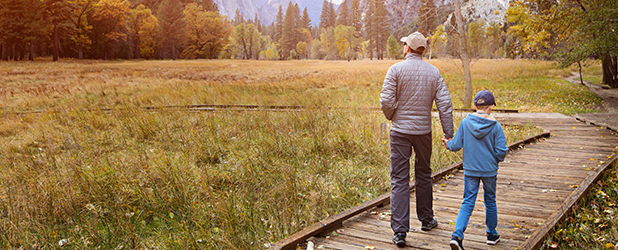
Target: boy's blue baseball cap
[484, 97]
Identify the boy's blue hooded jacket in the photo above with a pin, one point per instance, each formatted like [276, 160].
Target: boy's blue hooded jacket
[483, 143]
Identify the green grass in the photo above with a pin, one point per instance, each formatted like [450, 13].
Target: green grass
[593, 223]
[175, 179]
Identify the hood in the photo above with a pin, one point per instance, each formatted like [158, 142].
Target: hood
[480, 124]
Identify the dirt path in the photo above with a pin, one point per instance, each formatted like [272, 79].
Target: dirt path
[609, 106]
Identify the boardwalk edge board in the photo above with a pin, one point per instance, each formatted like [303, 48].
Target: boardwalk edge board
[336, 221]
[536, 239]
[600, 124]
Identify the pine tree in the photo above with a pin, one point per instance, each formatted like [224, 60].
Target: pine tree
[291, 34]
[343, 17]
[332, 15]
[328, 17]
[210, 5]
[172, 25]
[238, 18]
[257, 23]
[355, 18]
[278, 26]
[305, 20]
[382, 28]
[370, 26]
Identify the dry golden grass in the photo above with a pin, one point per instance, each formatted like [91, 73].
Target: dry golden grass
[218, 180]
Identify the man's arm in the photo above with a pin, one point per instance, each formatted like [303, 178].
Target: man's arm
[388, 96]
[445, 108]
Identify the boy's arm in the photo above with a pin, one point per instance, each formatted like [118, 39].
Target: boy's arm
[500, 149]
[457, 142]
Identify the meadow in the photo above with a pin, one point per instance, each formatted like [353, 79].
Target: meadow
[83, 165]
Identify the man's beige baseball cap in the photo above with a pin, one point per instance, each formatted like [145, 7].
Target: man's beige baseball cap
[415, 40]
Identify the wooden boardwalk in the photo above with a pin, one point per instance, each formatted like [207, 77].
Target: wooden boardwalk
[537, 185]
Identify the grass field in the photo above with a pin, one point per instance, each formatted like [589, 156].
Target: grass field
[85, 166]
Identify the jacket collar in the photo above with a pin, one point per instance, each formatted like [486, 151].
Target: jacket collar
[413, 56]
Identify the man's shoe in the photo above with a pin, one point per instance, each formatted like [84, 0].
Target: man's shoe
[492, 239]
[430, 225]
[456, 243]
[399, 239]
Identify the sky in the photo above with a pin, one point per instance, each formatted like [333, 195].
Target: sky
[336, 1]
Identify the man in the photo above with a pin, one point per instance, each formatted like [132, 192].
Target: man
[409, 91]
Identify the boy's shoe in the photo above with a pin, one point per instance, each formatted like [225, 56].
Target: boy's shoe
[399, 239]
[492, 239]
[456, 243]
[430, 225]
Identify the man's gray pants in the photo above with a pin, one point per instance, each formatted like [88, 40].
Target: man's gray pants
[401, 151]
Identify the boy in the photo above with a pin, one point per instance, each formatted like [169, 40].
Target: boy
[484, 146]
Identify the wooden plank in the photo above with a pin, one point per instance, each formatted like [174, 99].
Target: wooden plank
[336, 220]
[536, 239]
[475, 232]
[427, 240]
[508, 209]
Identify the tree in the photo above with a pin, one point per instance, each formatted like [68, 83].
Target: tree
[207, 32]
[376, 27]
[301, 49]
[571, 31]
[139, 16]
[438, 41]
[173, 26]
[347, 40]
[370, 26]
[328, 46]
[427, 15]
[328, 17]
[494, 39]
[21, 25]
[393, 47]
[238, 18]
[110, 24]
[83, 28]
[247, 38]
[305, 20]
[344, 13]
[463, 55]
[476, 38]
[58, 15]
[209, 5]
[278, 25]
[355, 18]
[149, 40]
[291, 33]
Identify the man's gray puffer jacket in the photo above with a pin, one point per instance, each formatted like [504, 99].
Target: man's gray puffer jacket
[409, 90]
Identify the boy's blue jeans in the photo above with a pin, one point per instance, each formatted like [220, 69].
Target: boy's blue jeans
[469, 199]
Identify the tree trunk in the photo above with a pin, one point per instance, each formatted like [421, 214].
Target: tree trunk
[610, 71]
[56, 43]
[581, 77]
[81, 52]
[3, 53]
[173, 51]
[14, 52]
[31, 56]
[463, 55]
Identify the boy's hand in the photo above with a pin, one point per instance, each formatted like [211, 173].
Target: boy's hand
[444, 141]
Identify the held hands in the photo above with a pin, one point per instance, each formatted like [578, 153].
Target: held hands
[444, 141]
